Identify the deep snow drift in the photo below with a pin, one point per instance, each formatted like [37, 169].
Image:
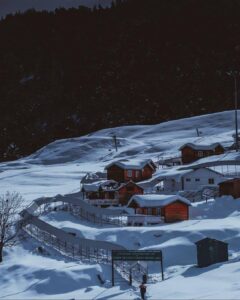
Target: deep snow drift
[58, 168]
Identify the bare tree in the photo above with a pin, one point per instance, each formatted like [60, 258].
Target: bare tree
[11, 204]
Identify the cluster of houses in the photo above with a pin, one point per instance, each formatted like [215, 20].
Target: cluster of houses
[126, 180]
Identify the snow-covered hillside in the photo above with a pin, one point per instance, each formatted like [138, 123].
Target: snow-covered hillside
[13, 6]
[58, 168]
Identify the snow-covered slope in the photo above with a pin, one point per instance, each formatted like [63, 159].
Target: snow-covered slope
[145, 141]
[26, 274]
[13, 6]
[58, 168]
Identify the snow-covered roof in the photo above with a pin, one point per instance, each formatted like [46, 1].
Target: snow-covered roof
[181, 173]
[133, 164]
[106, 185]
[90, 187]
[205, 169]
[129, 182]
[91, 177]
[156, 200]
[201, 147]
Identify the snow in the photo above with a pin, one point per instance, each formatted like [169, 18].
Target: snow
[132, 164]
[177, 242]
[58, 168]
[200, 146]
[38, 276]
[107, 185]
[157, 200]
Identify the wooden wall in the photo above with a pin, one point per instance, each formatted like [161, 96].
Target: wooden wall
[190, 155]
[120, 175]
[176, 211]
[127, 191]
[115, 173]
[231, 188]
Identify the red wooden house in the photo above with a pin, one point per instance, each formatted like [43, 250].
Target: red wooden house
[230, 187]
[171, 208]
[123, 171]
[192, 152]
[110, 192]
[127, 190]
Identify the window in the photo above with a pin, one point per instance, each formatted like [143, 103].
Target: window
[197, 179]
[211, 180]
[188, 179]
[137, 173]
[200, 154]
[129, 173]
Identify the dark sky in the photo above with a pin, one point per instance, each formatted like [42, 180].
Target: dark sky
[11, 6]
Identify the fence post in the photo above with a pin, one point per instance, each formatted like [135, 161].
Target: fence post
[80, 251]
[112, 272]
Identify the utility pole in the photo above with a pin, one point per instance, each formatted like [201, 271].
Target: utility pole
[115, 142]
[198, 133]
[234, 74]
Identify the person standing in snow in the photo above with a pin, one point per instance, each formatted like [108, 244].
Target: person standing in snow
[143, 290]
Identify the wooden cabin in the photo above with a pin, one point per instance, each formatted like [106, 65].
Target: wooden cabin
[170, 208]
[192, 152]
[134, 170]
[127, 190]
[100, 190]
[110, 192]
[101, 193]
[230, 187]
[211, 251]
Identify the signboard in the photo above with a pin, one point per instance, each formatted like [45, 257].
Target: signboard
[134, 255]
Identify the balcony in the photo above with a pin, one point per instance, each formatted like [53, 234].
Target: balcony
[143, 220]
[103, 202]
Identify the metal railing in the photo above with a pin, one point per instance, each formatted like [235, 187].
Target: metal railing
[62, 240]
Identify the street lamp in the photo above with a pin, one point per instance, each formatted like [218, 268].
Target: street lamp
[234, 74]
